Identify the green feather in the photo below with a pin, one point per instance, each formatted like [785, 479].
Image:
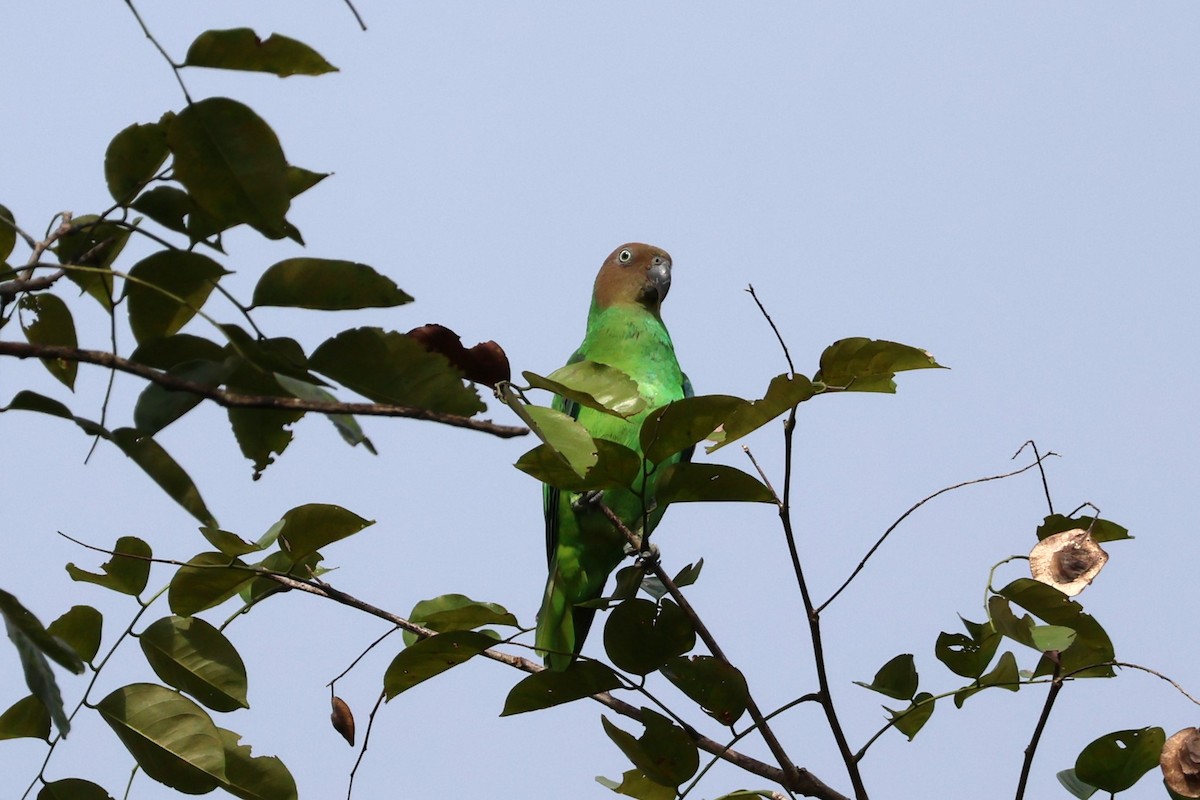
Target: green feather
[583, 547]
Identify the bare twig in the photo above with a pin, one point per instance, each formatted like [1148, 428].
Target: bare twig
[762, 475]
[366, 740]
[235, 400]
[1045, 484]
[917, 505]
[357, 17]
[1056, 685]
[175, 67]
[763, 310]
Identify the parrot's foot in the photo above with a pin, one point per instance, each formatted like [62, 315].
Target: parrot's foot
[648, 552]
[588, 499]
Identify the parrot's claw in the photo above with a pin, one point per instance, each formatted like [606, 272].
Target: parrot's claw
[588, 499]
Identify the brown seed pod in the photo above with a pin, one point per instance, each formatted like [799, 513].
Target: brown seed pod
[1180, 762]
[343, 720]
[1068, 561]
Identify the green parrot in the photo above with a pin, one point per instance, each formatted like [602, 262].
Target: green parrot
[624, 330]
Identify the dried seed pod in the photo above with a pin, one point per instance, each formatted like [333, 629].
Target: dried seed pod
[1180, 762]
[1068, 561]
[343, 720]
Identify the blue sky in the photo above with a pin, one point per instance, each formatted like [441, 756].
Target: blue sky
[1013, 187]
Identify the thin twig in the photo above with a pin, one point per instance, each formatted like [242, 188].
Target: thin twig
[235, 400]
[763, 310]
[1056, 685]
[174, 67]
[366, 739]
[762, 475]
[1041, 469]
[905, 515]
[357, 17]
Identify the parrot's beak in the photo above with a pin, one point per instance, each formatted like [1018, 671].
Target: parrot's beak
[658, 282]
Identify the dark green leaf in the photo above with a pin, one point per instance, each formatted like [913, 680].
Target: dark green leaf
[300, 180]
[326, 284]
[909, 721]
[664, 752]
[593, 385]
[456, 612]
[207, 580]
[166, 289]
[166, 205]
[80, 627]
[686, 482]
[8, 233]
[616, 467]
[1008, 624]
[33, 643]
[170, 351]
[230, 544]
[126, 572]
[1089, 656]
[310, 527]
[26, 400]
[550, 687]
[897, 678]
[640, 636]
[26, 718]
[432, 656]
[157, 406]
[869, 365]
[52, 324]
[1051, 637]
[261, 433]
[717, 687]
[784, 392]
[163, 470]
[193, 656]
[241, 49]
[1005, 675]
[1070, 781]
[72, 789]
[133, 158]
[91, 248]
[689, 574]
[389, 367]
[681, 424]
[170, 737]
[966, 655]
[1102, 530]
[1116, 761]
[254, 778]
[231, 163]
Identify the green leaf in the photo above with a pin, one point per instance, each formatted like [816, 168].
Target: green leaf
[457, 612]
[80, 628]
[300, 180]
[1091, 646]
[897, 678]
[171, 351]
[33, 644]
[309, 527]
[869, 365]
[909, 721]
[26, 400]
[94, 245]
[261, 433]
[126, 572]
[685, 482]
[616, 467]
[231, 163]
[664, 752]
[157, 406]
[1005, 676]
[207, 580]
[1116, 761]
[8, 233]
[593, 385]
[784, 392]
[718, 688]
[681, 424]
[1089, 656]
[326, 284]
[166, 205]
[231, 544]
[241, 49]
[345, 424]
[193, 656]
[1102, 530]
[163, 470]
[72, 789]
[1051, 637]
[967, 656]
[1070, 781]
[254, 778]
[634, 783]
[53, 325]
[432, 656]
[133, 158]
[390, 367]
[551, 688]
[166, 289]
[640, 636]
[172, 739]
[26, 718]
[564, 436]
[689, 574]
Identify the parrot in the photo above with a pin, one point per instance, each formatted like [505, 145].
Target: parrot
[624, 330]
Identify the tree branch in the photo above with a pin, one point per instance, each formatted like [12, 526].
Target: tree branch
[234, 400]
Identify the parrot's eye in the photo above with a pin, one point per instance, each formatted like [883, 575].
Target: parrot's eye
[625, 256]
